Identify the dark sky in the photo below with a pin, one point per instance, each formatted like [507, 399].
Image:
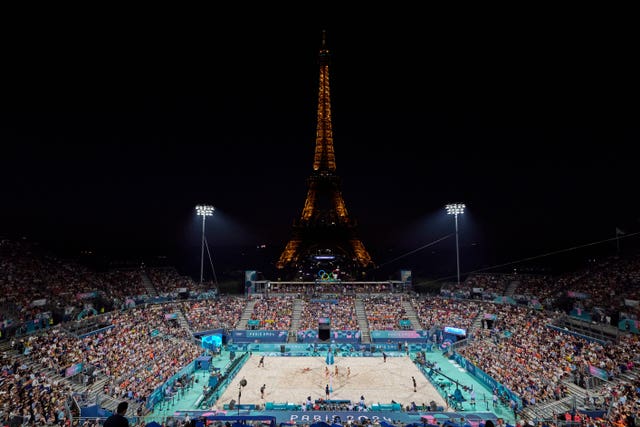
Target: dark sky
[110, 138]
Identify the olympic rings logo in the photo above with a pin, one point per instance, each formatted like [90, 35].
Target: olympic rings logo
[328, 277]
[323, 275]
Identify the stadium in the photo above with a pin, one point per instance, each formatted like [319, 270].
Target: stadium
[496, 347]
[320, 340]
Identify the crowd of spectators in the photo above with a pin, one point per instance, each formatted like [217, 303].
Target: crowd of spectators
[138, 354]
[167, 281]
[603, 287]
[334, 288]
[220, 313]
[384, 312]
[489, 286]
[27, 392]
[35, 283]
[440, 312]
[274, 313]
[341, 311]
[535, 361]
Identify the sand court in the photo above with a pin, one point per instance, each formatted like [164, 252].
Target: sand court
[292, 379]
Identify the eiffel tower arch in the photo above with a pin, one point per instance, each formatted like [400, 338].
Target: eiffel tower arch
[324, 237]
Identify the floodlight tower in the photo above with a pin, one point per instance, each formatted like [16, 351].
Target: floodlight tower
[204, 211]
[456, 209]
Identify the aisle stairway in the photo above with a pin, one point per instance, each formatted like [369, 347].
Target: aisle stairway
[576, 396]
[412, 315]
[476, 324]
[363, 324]
[148, 284]
[184, 323]
[296, 316]
[511, 288]
[246, 314]
[5, 345]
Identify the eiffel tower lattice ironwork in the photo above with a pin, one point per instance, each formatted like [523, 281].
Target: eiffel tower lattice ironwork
[325, 235]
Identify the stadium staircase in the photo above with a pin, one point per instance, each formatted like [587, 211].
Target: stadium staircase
[295, 320]
[148, 284]
[576, 397]
[92, 391]
[111, 403]
[476, 324]
[411, 315]
[5, 346]
[511, 288]
[363, 323]
[246, 314]
[184, 323]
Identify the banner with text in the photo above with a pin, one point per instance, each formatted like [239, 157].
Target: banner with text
[410, 336]
[311, 335]
[249, 336]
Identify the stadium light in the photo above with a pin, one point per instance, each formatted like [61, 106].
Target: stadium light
[456, 209]
[204, 211]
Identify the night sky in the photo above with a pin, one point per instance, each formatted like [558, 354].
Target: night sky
[109, 142]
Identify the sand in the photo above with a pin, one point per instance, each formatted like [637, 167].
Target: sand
[292, 379]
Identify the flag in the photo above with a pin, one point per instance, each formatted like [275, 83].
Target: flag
[619, 232]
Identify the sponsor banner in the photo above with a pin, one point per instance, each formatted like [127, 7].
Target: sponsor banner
[249, 336]
[504, 300]
[377, 336]
[73, 370]
[311, 335]
[579, 295]
[310, 417]
[598, 373]
[325, 300]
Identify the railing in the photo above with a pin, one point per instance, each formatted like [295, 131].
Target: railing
[219, 388]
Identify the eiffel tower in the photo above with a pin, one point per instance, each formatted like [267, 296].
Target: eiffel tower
[324, 237]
